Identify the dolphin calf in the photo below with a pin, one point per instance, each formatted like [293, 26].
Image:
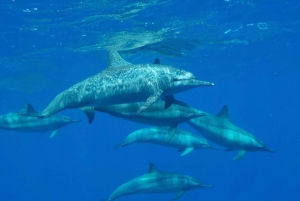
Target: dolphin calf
[123, 82]
[182, 140]
[16, 122]
[156, 181]
[219, 129]
[155, 115]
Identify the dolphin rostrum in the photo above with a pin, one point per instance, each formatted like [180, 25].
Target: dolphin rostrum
[16, 122]
[156, 181]
[182, 140]
[123, 82]
[219, 129]
[155, 115]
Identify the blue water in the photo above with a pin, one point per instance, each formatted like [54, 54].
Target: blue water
[249, 49]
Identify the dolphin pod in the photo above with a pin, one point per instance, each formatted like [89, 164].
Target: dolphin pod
[132, 92]
[16, 122]
[156, 181]
[184, 141]
[123, 82]
[217, 128]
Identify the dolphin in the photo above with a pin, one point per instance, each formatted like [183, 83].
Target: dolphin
[155, 115]
[123, 82]
[182, 140]
[156, 181]
[219, 129]
[16, 122]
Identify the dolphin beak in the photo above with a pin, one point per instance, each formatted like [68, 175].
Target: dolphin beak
[269, 150]
[204, 83]
[195, 82]
[212, 147]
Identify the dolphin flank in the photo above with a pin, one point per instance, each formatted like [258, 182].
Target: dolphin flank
[182, 140]
[156, 181]
[123, 82]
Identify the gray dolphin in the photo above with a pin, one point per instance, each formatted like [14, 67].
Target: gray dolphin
[182, 140]
[155, 115]
[156, 181]
[15, 122]
[123, 82]
[219, 129]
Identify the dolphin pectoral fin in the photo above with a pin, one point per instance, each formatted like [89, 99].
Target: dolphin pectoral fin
[53, 133]
[187, 151]
[171, 132]
[154, 97]
[239, 155]
[89, 111]
[178, 195]
[168, 101]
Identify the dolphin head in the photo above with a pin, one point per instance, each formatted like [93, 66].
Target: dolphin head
[182, 80]
[260, 146]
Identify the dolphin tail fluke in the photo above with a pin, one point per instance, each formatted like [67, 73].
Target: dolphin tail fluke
[89, 111]
[53, 133]
[178, 195]
[239, 155]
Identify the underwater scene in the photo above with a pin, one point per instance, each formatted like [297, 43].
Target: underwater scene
[149, 100]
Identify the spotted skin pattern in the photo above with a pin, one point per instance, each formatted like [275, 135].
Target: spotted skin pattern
[124, 84]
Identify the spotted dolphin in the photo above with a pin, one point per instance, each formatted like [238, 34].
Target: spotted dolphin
[157, 181]
[184, 141]
[219, 129]
[155, 115]
[123, 82]
[15, 122]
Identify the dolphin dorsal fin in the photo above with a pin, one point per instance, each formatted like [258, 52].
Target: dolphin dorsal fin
[28, 109]
[153, 168]
[115, 60]
[156, 61]
[223, 113]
